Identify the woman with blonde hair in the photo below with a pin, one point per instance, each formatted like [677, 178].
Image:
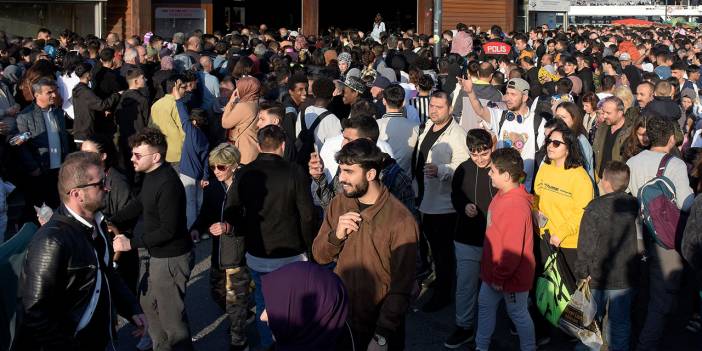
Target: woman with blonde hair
[240, 117]
[229, 278]
[631, 112]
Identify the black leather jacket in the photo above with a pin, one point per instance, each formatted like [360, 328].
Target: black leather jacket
[57, 281]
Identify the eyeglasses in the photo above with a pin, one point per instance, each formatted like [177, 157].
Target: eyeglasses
[556, 143]
[138, 156]
[102, 184]
[220, 168]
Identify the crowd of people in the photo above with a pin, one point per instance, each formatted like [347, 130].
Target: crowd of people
[338, 176]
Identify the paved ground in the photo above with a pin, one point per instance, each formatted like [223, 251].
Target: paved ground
[425, 332]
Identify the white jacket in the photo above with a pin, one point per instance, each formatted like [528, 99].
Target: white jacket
[447, 154]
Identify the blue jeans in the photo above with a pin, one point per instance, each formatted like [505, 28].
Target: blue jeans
[264, 332]
[617, 330]
[467, 283]
[517, 309]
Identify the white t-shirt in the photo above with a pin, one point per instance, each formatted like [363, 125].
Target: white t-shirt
[644, 167]
[332, 146]
[401, 134]
[329, 127]
[519, 136]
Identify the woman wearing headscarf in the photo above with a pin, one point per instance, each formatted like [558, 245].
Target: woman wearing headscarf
[240, 117]
[306, 307]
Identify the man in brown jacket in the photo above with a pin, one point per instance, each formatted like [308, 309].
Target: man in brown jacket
[372, 237]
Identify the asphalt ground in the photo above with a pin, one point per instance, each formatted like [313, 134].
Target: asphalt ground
[425, 332]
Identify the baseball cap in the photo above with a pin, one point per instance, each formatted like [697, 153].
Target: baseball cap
[356, 84]
[625, 57]
[381, 82]
[518, 84]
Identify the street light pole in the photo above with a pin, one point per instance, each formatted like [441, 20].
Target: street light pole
[438, 9]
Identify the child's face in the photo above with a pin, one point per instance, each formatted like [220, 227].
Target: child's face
[497, 178]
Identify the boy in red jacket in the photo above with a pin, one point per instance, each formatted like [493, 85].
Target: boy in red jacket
[507, 265]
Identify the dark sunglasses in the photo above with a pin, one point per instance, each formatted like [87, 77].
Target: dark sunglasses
[556, 143]
[511, 116]
[220, 168]
[102, 184]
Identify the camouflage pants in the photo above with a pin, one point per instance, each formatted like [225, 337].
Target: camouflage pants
[230, 289]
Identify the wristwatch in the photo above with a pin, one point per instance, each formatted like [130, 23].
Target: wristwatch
[380, 340]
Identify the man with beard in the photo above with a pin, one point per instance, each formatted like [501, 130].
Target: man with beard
[166, 238]
[372, 237]
[517, 127]
[68, 287]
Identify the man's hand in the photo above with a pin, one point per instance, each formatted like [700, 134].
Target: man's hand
[219, 228]
[316, 166]
[204, 184]
[113, 230]
[431, 170]
[121, 243]
[374, 346]
[348, 223]
[139, 321]
[496, 287]
[554, 240]
[466, 84]
[471, 210]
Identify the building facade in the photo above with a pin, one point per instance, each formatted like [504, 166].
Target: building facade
[165, 17]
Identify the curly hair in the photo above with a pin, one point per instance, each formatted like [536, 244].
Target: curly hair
[152, 137]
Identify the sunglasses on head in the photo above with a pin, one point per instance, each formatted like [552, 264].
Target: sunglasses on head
[556, 143]
[511, 116]
[220, 168]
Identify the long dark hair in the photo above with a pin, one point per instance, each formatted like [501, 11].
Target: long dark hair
[106, 146]
[577, 115]
[632, 147]
[575, 156]
[70, 62]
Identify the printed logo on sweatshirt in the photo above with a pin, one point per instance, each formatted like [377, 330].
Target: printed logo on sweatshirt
[554, 189]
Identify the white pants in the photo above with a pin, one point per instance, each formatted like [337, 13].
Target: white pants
[193, 198]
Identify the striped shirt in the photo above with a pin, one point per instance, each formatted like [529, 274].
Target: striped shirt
[421, 103]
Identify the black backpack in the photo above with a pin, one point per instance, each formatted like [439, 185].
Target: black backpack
[304, 144]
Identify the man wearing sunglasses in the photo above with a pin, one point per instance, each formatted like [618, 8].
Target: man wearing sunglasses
[68, 287]
[517, 127]
[165, 237]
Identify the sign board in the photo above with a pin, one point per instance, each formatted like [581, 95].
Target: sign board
[549, 5]
[179, 12]
[496, 48]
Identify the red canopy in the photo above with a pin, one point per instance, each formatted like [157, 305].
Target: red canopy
[633, 22]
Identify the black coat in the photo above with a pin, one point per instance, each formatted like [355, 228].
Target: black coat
[607, 243]
[107, 81]
[57, 282]
[471, 185]
[132, 113]
[586, 77]
[225, 252]
[692, 240]
[272, 207]
[87, 105]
